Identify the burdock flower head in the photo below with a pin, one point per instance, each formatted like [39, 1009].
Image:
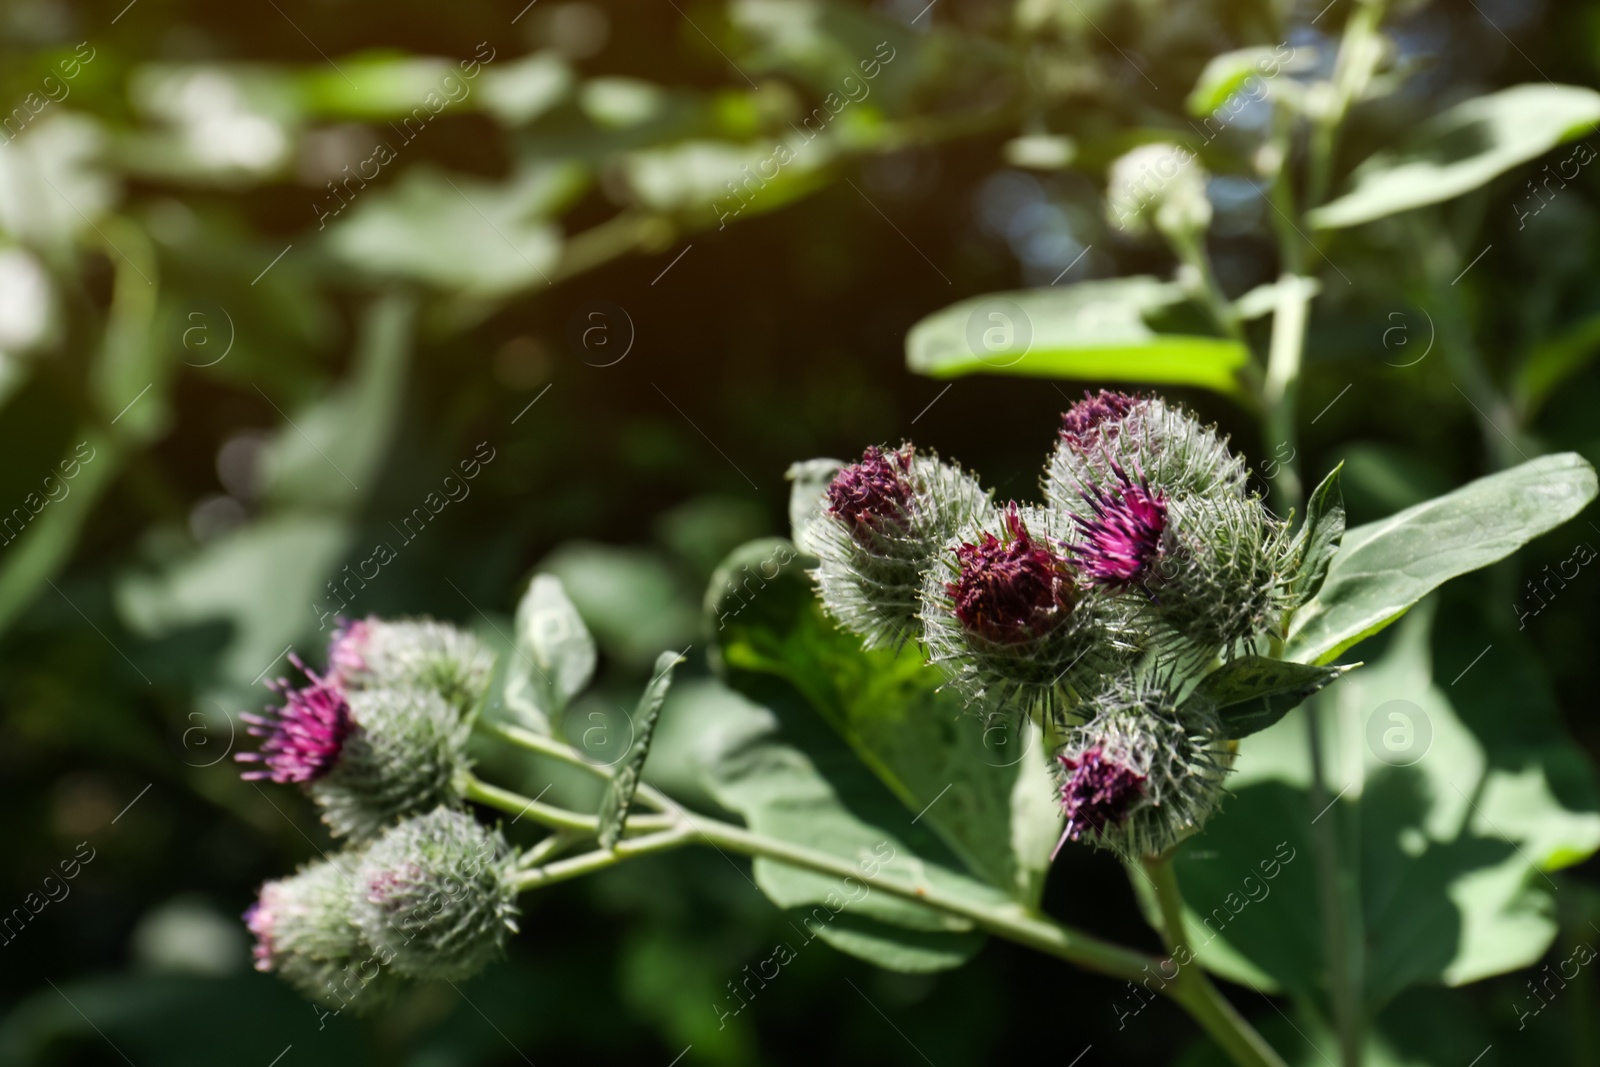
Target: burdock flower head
[372, 653]
[406, 754]
[874, 494]
[1144, 771]
[1162, 185]
[876, 529]
[1121, 542]
[1010, 588]
[303, 932]
[1081, 422]
[368, 756]
[305, 736]
[1005, 618]
[437, 894]
[1103, 435]
[1098, 793]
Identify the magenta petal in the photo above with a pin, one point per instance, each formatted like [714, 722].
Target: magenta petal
[1099, 792]
[1013, 589]
[304, 736]
[874, 493]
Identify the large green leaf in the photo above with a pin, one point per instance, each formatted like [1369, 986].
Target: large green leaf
[891, 710]
[1384, 567]
[1462, 149]
[1123, 329]
[1453, 803]
[768, 757]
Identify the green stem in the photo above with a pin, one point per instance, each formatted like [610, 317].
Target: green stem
[1343, 968]
[547, 746]
[1192, 989]
[1359, 53]
[1191, 250]
[556, 818]
[1006, 920]
[1281, 390]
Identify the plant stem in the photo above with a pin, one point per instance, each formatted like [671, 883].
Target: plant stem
[1282, 388]
[1005, 919]
[1343, 978]
[548, 746]
[1191, 249]
[1002, 918]
[1192, 989]
[1359, 53]
[482, 792]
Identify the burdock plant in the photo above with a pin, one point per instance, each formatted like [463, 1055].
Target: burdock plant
[1144, 617]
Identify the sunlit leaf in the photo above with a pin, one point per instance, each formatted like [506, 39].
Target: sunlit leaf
[1383, 568]
[1466, 147]
[1093, 331]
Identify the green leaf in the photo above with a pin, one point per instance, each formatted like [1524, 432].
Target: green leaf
[808, 480]
[1318, 540]
[1253, 692]
[552, 657]
[518, 91]
[947, 768]
[625, 779]
[1265, 298]
[1555, 360]
[483, 239]
[327, 450]
[1384, 567]
[768, 757]
[1453, 802]
[631, 597]
[1099, 330]
[1226, 74]
[1463, 148]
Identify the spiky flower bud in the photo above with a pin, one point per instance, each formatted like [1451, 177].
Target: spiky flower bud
[1165, 445]
[405, 753]
[372, 653]
[1005, 618]
[1143, 772]
[883, 520]
[1159, 184]
[1222, 578]
[436, 892]
[303, 931]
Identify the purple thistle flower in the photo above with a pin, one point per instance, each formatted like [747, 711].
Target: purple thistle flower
[1079, 422]
[346, 648]
[1123, 541]
[303, 738]
[1098, 792]
[874, 494]
[1013, 589]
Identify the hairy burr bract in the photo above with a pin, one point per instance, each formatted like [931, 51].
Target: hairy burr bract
[881, 522]
[1142, 772]
[436, 891]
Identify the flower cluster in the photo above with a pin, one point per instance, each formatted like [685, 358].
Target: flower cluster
[379, 742]
[383, 734]
[1147, 563]
[431, 898]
